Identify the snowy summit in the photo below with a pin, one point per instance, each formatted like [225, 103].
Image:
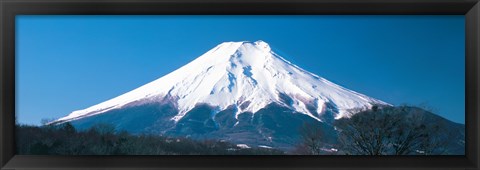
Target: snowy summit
[245, 75]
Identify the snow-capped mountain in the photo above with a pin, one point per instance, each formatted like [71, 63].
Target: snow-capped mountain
[241, 92]
[245, 75]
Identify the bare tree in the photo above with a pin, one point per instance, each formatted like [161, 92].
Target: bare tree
[367, 132]
[389, 131]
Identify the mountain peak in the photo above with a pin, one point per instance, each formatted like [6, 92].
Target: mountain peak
[260, 44]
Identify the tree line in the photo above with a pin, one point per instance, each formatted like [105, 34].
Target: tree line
[103, 139]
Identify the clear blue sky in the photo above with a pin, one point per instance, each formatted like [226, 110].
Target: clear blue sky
[66, 63]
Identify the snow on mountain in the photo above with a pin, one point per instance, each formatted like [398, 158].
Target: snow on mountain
[246, 75]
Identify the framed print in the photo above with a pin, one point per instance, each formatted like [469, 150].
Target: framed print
[244, 84]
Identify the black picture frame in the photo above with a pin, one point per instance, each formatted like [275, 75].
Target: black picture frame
[10, 8]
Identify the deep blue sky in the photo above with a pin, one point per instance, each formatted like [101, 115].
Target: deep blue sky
[66, 63]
